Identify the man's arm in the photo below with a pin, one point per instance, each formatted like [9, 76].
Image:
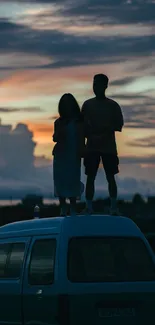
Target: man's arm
[118, 118]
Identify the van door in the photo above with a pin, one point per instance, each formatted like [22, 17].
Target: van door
[111, 281]
[12, 259]
[39, 290]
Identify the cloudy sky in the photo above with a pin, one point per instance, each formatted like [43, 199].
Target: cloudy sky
[48, 47]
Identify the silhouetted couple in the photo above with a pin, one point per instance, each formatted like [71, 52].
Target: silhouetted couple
[88, 134]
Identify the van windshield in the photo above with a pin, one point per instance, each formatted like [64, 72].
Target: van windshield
[109, 259]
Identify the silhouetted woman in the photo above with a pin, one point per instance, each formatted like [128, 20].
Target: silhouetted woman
[69, 148]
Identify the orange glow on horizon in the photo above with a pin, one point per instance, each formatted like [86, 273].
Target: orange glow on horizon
[42, 132]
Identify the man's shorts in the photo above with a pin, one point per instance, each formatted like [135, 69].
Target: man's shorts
[92, 161]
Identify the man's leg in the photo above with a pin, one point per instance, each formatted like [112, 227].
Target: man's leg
[73, 206]
[90, 189]
[91, 163]
[112, 187]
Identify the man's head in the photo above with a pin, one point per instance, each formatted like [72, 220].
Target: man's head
[100, 84]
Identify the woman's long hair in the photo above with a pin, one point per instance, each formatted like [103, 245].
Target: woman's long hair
[68, 107]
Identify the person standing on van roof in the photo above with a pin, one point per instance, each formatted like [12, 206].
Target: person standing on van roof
[102, 117]
[69, 148]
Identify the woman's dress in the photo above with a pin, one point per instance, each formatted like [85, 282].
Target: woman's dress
[67, 165]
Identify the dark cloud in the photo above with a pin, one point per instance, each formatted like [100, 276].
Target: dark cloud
[121, 82]
[140, 124]
[8, 26]
[113, 11]
[131, 96]
[24, 109]
[70, 50]
[140, 114]
[107, 11]
[137, 117]
[148, 142]
[150, 159]
[34, 1]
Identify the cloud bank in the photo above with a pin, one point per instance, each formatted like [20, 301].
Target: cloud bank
[22, 173]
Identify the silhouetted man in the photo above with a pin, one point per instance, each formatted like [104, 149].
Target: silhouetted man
[102, 117]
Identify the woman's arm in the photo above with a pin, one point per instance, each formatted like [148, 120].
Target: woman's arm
[81, 139]
[59, 130]
[55, 133]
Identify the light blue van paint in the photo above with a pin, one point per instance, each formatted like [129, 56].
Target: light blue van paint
[65, 302]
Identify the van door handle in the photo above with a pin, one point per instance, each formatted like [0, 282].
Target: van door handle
[39, 293]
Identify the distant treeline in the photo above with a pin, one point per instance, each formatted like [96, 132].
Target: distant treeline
[142, 212]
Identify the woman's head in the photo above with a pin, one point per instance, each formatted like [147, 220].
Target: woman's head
[68, 107]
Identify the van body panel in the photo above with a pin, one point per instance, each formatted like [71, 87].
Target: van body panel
[31, 232]
[100, 225]
[11, 291]
[109, 302]
[114, 308]
[32, 227]
[84, 225]
[40, 302]
[36, 224]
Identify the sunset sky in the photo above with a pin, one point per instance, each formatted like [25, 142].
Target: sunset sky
[48, 47]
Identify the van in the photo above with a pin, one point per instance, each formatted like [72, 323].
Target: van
[84, 270]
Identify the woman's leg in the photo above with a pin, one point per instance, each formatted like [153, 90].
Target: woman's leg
[62, 201]
[73, 206]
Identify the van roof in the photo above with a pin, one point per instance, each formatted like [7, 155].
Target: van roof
[103, 225]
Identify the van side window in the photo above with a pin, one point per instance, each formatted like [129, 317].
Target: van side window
[105, 259]
[4, 251]
[41, 268]
[15, 260]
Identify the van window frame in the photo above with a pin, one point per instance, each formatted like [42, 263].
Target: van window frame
[10, 245]
[106, 237]
[7, 257]
[42, 239]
